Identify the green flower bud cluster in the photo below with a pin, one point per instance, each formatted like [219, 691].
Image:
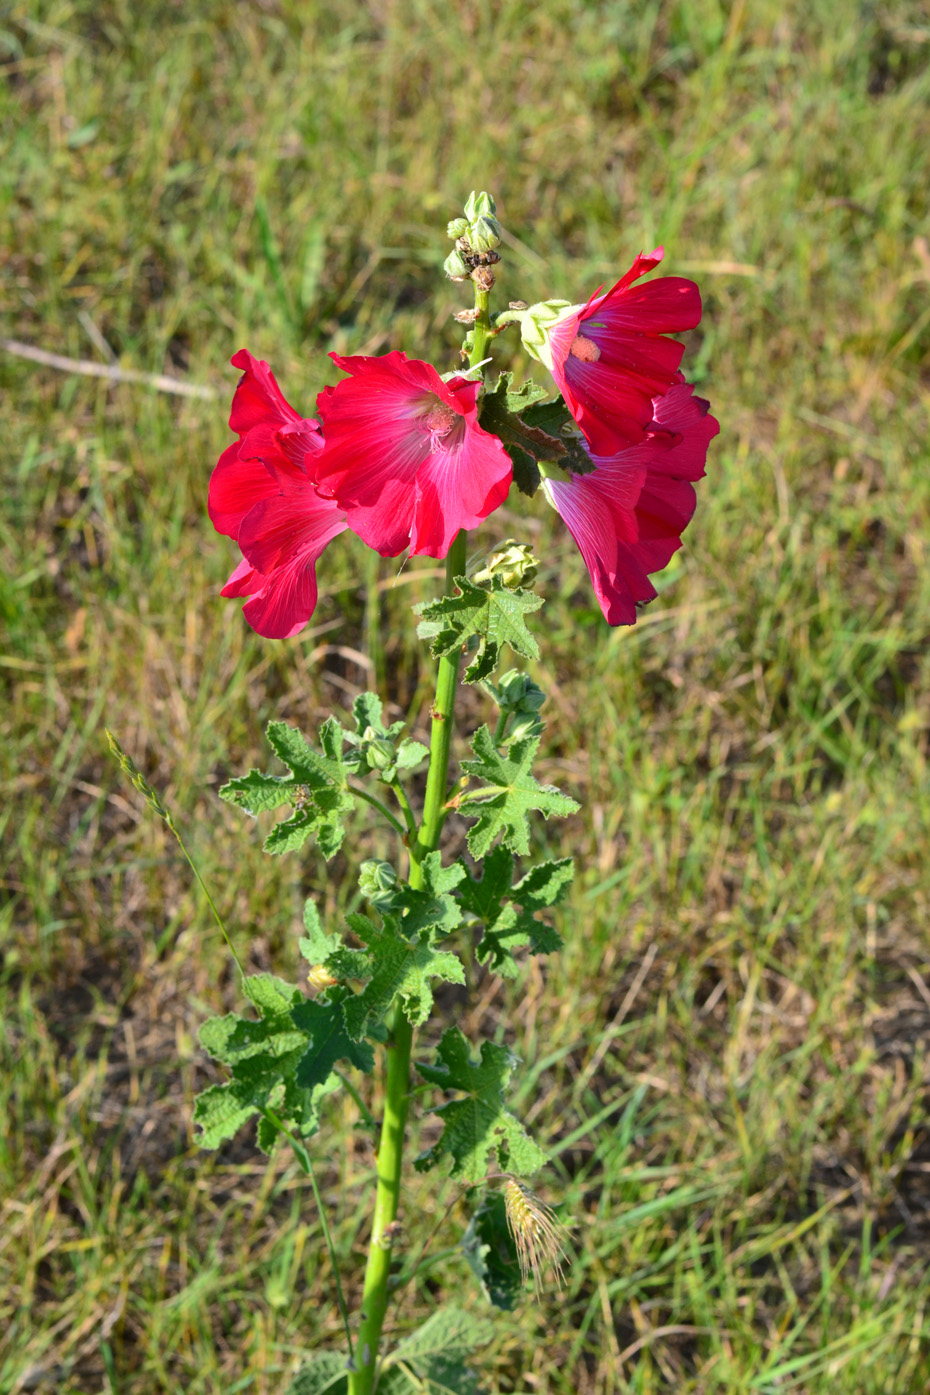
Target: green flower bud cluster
[379, 750]
[477, 237]
[513, 562]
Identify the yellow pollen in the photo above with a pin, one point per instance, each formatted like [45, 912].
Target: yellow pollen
[585, 349]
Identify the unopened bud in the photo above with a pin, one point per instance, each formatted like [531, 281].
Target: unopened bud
[477, 204]
[457, 227]
[455, 267]
[524, 724]
[319, 977]
[537, 321]
[484, 234]
[513, 562]
[533, 698]
[379, 752]
[511, 688]
[377, 880]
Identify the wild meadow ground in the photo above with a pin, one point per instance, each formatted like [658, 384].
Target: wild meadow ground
[729, 1060]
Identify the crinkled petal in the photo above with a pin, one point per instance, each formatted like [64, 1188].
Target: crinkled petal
[281, 540]
[236, 486]
[245, 581]
[628, 514]
[457, 488]
[599, 511]
[279, 529]
[286, 602]
[273, 437]
[257, 400]
[262, 494]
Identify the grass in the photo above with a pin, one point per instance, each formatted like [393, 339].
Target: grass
[729, 1060]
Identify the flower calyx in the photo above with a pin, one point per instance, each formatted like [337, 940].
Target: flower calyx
[378, 884]
[513, 562]
[536, 322]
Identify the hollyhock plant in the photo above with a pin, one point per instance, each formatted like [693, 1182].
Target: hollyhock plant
[611, 356]
[628, 514]
[262, 493]
[407, 458]
[404, 455]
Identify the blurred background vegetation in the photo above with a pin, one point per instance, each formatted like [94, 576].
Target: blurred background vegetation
[729, 1060]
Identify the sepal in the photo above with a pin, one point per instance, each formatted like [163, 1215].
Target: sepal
[537, 321]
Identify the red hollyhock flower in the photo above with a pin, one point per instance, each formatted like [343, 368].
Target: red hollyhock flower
[628, 514]
[611, 358]
[404, 455]
[262, 494]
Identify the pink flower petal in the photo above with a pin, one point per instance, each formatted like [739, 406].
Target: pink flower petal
[236, 485]
[611, 358]
[262, 494]
[628, 514]
[404, 455]
[271, 435]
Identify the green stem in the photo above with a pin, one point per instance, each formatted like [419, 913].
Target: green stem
[382, 808]
[400, 1031]
[501, 727]
[400, 794]
[482, 329]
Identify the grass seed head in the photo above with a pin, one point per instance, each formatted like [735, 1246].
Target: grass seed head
[537, 1233]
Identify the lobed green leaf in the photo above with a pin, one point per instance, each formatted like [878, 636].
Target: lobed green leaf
[509, 793]
[478, 1129]
[397, 967]
[507, 928]
[493, 614]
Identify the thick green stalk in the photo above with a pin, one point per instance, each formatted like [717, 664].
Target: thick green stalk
[481, 334]
[400, 1032]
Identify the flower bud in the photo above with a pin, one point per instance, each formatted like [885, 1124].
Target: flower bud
[537, 321]
[511, 689]
[377, 880]
[477, 204]
[456, 267]
[319, 977]
[457, 227]
[533, 697]
[378, 750]
[484, 234]
[513, 562]
[524, 724]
